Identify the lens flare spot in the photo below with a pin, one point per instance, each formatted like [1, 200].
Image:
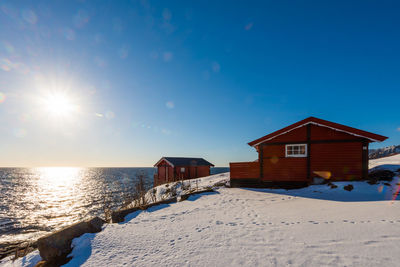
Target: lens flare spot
[69, 34]
[167, 56]
[323, 174]
[6, 64]
[396, 193]
[29, 16]
[20, 133]
[216, 67]
[166, 131]
[110, 115]
[345, 169]
[123, 52]
[2, 97]
[380, 189]
[8, 47]
[170, 105]
[274, 160]
[81, 18]
[248, 26]
[100, 62]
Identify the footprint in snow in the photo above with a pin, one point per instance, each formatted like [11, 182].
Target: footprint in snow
[370, 242]
[219, 222]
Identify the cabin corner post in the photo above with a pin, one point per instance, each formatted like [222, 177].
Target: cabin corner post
[261, 156]
[364, 159]
[309, 152]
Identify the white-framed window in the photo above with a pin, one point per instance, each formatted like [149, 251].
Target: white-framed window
[296, 150]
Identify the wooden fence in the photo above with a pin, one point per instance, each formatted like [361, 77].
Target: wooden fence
[243, 170]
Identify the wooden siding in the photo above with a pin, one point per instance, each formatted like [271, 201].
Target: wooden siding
[274, 151]
[243, 170]
[342, 160]
[276, 167]
[285, 169]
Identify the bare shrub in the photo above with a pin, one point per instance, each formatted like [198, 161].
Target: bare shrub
[173, 190]
[106, 204]
[186, 185]
[153, 195]
[139, 194]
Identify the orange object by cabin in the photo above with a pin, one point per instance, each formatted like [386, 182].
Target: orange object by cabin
[171, 169]
[306, 149]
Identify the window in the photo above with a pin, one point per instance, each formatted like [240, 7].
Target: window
[182, 169]
[297, 150]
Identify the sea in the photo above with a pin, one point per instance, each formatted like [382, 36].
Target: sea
[37, 201]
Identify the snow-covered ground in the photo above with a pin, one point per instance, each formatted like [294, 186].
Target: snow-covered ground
[313, 226]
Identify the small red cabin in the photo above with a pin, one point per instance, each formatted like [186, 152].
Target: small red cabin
[304, 150]
[171, 169]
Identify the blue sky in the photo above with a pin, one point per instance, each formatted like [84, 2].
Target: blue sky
[145, 79]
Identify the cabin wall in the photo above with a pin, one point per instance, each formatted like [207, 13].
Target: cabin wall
[332, 152]
[203, 171]
[175, 174]
[340, 161]
[276, 167]
[165, 173]
[161, 175]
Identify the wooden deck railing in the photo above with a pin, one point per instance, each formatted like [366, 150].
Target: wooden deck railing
[243, 170]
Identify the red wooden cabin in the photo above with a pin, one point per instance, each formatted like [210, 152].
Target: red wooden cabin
[171, 169]
[304, 150]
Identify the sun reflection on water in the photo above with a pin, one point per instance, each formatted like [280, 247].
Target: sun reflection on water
[36, 201]
[59, 175]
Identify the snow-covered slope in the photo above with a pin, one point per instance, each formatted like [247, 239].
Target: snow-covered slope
[390, 163]
[250, 227]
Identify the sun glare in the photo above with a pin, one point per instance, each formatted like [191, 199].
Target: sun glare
[58, 105]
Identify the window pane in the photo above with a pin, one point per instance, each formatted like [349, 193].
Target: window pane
[303, 150]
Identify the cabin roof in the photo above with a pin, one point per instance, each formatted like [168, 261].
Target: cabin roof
[332, 125]
[181, 161]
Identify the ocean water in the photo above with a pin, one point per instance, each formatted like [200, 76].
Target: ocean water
[37, 201]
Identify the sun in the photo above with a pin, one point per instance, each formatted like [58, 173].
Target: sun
[58, 105]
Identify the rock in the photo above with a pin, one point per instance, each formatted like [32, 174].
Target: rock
[348, 187]
[332, 186]
[318, 180]
[381, 175]
[56, 246]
